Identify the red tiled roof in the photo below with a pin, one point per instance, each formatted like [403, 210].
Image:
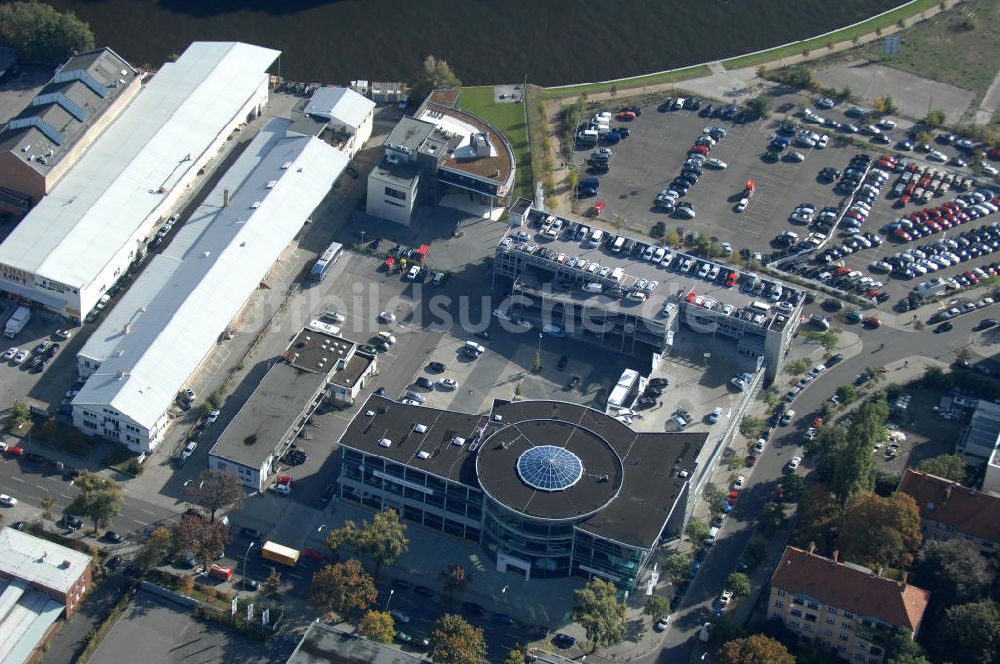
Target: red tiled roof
[843, 586]
[968, 511]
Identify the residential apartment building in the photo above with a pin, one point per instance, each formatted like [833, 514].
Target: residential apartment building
[951, 511]
[847, 607]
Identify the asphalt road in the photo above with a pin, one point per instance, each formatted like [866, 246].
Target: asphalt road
[881, 347]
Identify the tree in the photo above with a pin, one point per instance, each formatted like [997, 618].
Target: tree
[759, 107]
[755, 554]
[204, 540]
[703, 245]
[852, 462]
[677, 566]
[881, 531]
[953, 572]
[657, 607]
[934, 119]
[752, 427]
[797, 367]
[47, 503]
[600, 613]
[847, 393]
[517, 655]
[157, 547]
[536, 364]
[739, 583]
[772, 517]
[714, 495]
[454, 641]
[793, 488]
[672, 238]
[20, 414]
[215, 490]
[949, 466]
[100, 499]
[384, 539]
[378, 626]
[436, 74]
[754, 649]
[818, 513]
[696, 531]
[968, 634]
[273, 582]
[613, 91]
[454, 579]
[342, 588]
[41, 33]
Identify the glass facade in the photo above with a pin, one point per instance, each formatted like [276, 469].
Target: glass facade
[553, 549]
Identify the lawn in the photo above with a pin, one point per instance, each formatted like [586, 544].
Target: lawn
[846, 34]
[509, 119]
[948, 49]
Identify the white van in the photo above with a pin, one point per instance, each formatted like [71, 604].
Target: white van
[619, 242]
[636, 296]
[713, 536]
[387, 336]
[787, 418]
[473, 347]
[595, 238]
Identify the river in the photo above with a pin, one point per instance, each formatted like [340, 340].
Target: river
[549, 42]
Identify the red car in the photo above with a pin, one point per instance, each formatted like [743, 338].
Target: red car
[14, 450]
[700, 149]
[731, 280]
[597, 209]
[626, 115]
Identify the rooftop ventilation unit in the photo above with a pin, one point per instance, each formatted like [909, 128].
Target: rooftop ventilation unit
[420, 428]
[385, 442]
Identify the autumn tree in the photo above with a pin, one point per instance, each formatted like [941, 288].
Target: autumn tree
[41, 33]
[204, 540]
[435, 74]
[378, 626]
[215, 490]
[454, 579]
[934, 119]
[517, 655]
[818, 513]
[954, 573]
[100, 499]
[157, 547]
[342, 588]
[656, 607]
[600, 613]
[384, 539]
[881, 531]
[949, 466]
[754, 649]
[968, 634]
[455, 641]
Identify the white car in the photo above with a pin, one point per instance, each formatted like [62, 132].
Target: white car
[7, 501]
[810, 433]
[213, 416]
[937, 155]
[823, 140]
[10, 353]
[63, 334]
[742, 204]
[739, 482]
[399, 616]
[989, 169]
[725, 598]
[412, 273]
[387, 317]
[794, 462]
[727, 249]
[21, 356]
[706, 632]
[450, 383]
[716, 163]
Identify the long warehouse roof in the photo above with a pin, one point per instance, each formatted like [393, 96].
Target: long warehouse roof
[276, 184]
[109, 194]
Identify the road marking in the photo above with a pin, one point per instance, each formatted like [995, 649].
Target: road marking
[294, 576]
[63, 495]
[17, 479]
[38, 486]
[148, 512]
[141, 523]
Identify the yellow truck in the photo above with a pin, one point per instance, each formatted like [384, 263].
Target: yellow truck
[280, 553]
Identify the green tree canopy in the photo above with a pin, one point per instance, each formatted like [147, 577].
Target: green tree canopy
[772, 517]
[953, 571]
[378, 626]
[600, 613]
[41, 33]
[881, 531]
[949, 466]
[677, 565]
[157, 547]
[752, 427]
[968, 634]
[435, 74]
[656, 607]
[754, 649]
[342, 588]
[455, 641]
[100, 499]
[739, 583]
[384, 539]
[517, 655]
[759, 106]
[696, 531]
[793, 488]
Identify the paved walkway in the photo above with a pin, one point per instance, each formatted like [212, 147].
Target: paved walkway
[990, 103]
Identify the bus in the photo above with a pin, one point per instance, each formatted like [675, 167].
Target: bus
[326, 261]
[280, 554]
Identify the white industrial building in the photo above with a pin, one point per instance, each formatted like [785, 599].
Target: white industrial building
[348, 115]
[175, 313]
[94, 223]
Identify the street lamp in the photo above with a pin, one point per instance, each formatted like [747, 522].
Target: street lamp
[392, 591]
[245, 564]
[320, 529]
[362, 237]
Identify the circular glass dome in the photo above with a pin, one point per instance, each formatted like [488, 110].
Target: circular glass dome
[549, 468]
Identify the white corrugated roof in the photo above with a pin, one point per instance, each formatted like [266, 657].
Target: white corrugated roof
[341, 104]
[203, 289]
[105, 198]
[40, 561]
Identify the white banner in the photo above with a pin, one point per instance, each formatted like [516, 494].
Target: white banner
[234, 606]
[250, 611]
[265, 617]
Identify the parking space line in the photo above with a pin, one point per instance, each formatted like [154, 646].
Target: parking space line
[17, 479]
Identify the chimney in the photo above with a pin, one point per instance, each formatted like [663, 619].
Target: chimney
[836, 555]
[225, 198]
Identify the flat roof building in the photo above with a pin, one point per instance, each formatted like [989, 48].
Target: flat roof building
[270, 420]
[347, 115]
[445, 156]
[39, 144]
[982, 439]
[329, 644]
[847, 607]
[173, 316]
[610, 290]
[549, 489]
[95, 222]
